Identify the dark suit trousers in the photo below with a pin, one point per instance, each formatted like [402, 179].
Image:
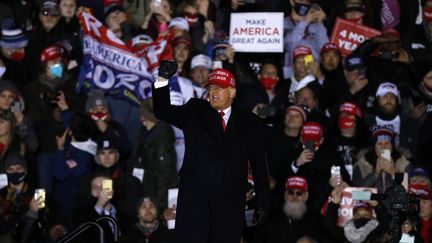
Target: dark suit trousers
[213, 215]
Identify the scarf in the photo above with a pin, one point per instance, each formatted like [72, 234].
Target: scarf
[147, 231]
[359, 235]
[88, 146]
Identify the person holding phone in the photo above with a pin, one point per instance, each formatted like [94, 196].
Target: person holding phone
[100, 205]
[377, 165]
[19, 208]
[314, 163]
[304, 26]
[127, 188]
[157, 19]
[303, 71]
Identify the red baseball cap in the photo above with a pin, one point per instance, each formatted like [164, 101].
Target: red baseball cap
[50, 53]
[296, 182]
[222, 78]
[420, 190]
[312, 131]
[181, 39]
[350, 109]
[301, 50]
[329, 47]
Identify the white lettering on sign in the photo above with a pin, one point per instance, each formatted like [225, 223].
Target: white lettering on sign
[346, 201]
[346, 212]
[256, 32]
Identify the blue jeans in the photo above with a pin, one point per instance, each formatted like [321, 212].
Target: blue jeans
[45, 172]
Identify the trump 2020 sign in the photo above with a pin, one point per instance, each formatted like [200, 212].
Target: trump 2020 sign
[256, 32]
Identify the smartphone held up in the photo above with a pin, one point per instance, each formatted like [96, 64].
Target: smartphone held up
[40, 197]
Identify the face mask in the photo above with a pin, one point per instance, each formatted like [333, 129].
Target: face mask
[301, 9]
[2, 71]
[427, 13]
[98, 116]
[345, 122]
[268, 83]
[191, 18]
[16, 178]
[358, 223]
[17, 56]
[56, 70]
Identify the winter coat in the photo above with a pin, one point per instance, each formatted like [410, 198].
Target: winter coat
[68, 166]
[364, 170]
[155, 154]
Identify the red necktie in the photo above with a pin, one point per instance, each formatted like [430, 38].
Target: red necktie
[222, 114]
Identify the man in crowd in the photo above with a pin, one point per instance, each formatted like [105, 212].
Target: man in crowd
[296, 220]
[200, 70]
[148, 228]
[154, 159]
[304, 71]
[305, 18]
[387, 109]
[314, 163]
[13, 43]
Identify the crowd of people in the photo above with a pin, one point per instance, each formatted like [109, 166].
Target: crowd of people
[367, 115]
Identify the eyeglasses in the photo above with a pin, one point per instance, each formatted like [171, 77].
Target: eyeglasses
[297, 193]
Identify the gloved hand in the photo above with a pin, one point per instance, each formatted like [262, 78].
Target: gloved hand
[260, 216]
[167, 69]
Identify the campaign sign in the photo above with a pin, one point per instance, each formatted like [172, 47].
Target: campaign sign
[256, 32]
[348, 36]
[348, 202]
[110, 65]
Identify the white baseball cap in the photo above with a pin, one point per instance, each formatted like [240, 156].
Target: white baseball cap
[386, 88]
[180, 23]
[201, 61]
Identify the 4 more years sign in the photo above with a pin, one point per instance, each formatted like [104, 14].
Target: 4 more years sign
[257, 32]
[348, 36]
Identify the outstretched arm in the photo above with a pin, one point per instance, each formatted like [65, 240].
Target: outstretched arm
[162, 107]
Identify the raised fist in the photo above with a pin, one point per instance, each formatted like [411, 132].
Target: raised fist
[167, 69]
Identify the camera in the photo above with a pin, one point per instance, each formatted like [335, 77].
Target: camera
[398, 203]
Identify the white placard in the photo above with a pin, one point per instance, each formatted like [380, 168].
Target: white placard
[3, 181]
[172, 201]
[172, 197]
[138, 173]
[256, 32]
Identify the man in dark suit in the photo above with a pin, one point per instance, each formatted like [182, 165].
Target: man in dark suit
[220, 141]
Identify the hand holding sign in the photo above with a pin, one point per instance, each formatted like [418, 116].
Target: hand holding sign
[347, 35]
